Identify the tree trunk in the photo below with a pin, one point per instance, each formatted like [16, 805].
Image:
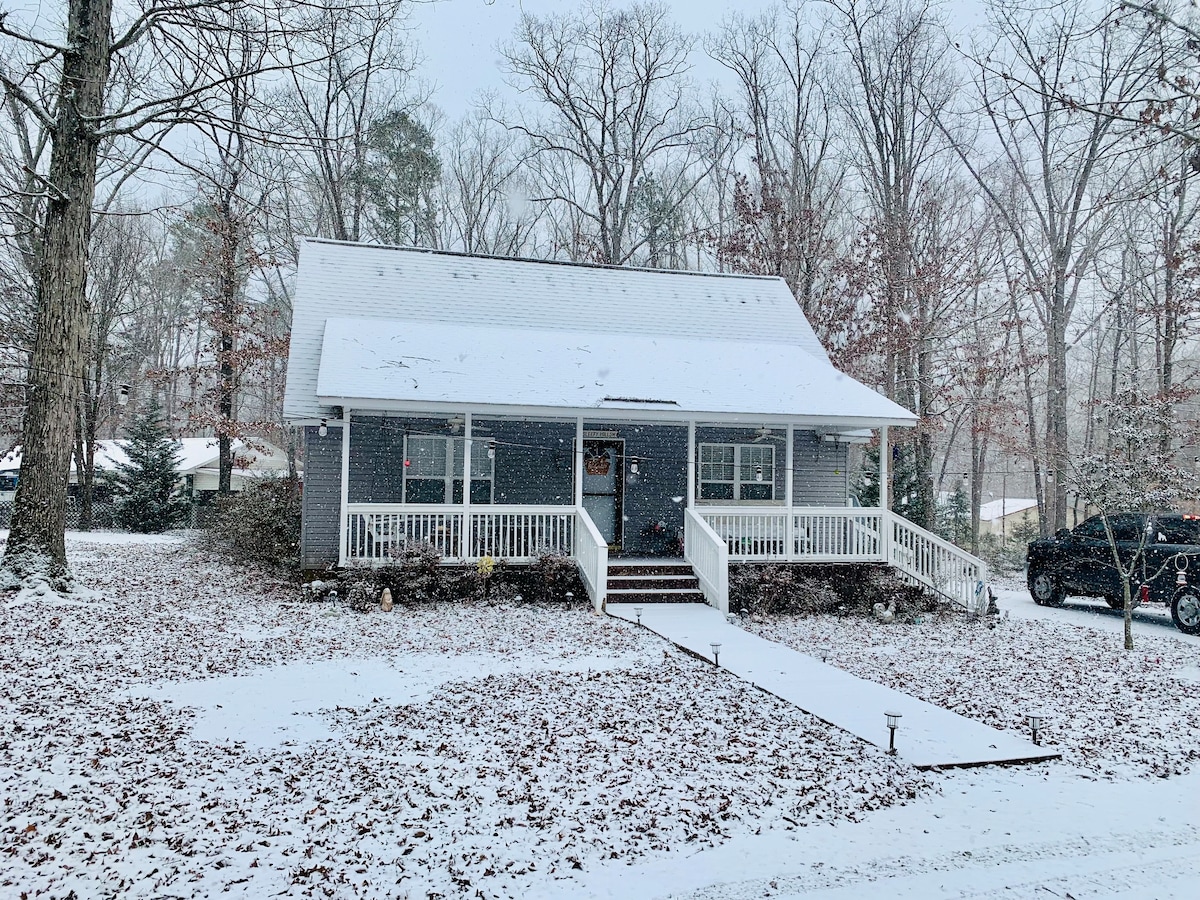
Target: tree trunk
[35, 543]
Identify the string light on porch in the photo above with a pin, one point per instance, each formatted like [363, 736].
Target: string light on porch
[758, 473]
[491, 449]
[1181, 564]
[323, 428]
[635, 465]
[893, 722]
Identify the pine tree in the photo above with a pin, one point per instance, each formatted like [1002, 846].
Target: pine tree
[146, 488]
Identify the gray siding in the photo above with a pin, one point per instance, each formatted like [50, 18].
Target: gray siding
[534, 461]
[322, 498]
[821, 475]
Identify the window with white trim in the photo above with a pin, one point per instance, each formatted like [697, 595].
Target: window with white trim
[737, 472]
[433, 467]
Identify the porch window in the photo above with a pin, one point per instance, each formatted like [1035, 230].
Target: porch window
[737, 471]
[433, 470]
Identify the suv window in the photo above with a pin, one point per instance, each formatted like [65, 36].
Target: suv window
[1091, 528]
[1184, 530]
[1128, 528]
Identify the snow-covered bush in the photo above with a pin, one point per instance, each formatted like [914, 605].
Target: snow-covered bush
[554, 574]
[260, 524]
[779, 589]
[414, 573]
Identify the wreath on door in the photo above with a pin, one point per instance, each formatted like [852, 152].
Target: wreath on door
[596, 462]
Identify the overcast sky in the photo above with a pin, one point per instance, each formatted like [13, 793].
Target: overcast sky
[457, 38]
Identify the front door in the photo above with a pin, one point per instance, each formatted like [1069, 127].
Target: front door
[603, 487]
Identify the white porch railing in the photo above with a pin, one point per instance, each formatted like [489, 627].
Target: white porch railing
[515, 533]
[847, 534]
[591, 555]
[708, 556]
[519, 534]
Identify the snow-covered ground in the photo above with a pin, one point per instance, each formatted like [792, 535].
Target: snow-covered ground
[195, 730]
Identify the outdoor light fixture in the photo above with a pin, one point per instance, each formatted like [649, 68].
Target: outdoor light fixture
[333, 595]
[123, 395]
[570, 597]
[1181, 564]
[731, 619]
[491, 449]
[637, 611]
[1035, 720]
[716, 649]
[323, 428]
[517, 599]
[823, 652]
[635, 465]
[893, 722]
[758, 473]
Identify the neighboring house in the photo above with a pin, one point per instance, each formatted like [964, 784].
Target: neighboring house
[198, 464]
[999, 516]
[501, 407]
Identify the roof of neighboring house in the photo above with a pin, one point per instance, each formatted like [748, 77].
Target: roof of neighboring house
[994, 509]
[381, 326]
[195, 455]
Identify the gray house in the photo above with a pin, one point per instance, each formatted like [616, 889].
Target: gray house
[503, 407]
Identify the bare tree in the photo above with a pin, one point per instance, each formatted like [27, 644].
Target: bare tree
[784, 208]
[127, 79]
[616, 111]
[1060, 162]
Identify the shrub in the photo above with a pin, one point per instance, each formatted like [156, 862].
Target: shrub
[776, 589]
[414, 573]
[260, 524]
[554, 573]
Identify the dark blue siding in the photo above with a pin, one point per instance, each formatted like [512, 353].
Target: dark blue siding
[322, 499]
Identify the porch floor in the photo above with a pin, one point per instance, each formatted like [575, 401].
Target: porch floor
[928, 736]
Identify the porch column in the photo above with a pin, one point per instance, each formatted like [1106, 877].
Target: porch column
[691, 465]
[579, 462]
[344, 544]
[885, 525]
[464, 533]
[789, 528]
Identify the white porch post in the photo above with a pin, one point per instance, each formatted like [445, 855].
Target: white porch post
[885, 525]
[464, 533]
[788, 495]
[344, 546]
[691, 465]
[579, 462]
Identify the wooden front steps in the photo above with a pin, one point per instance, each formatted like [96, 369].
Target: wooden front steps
[650, 581]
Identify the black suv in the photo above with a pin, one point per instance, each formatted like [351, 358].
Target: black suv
[1080, 562]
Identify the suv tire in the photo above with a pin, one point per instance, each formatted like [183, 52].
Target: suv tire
[1185, 610]
[1045, 589]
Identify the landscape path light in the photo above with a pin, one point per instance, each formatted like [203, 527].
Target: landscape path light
[716, 651]
[637, 611]
[1035, 720]
[570, 597]
[893, 722]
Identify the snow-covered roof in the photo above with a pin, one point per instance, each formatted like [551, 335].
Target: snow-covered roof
[425, 363]
[195, 454]
[994, 509]
[411, 325]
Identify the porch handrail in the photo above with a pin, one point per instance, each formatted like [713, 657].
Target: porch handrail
[936, 563]
[705, 551]
[591, 555]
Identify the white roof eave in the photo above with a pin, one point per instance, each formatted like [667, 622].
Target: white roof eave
[608, 413]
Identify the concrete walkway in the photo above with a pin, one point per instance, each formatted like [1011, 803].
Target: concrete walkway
[928, 735]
